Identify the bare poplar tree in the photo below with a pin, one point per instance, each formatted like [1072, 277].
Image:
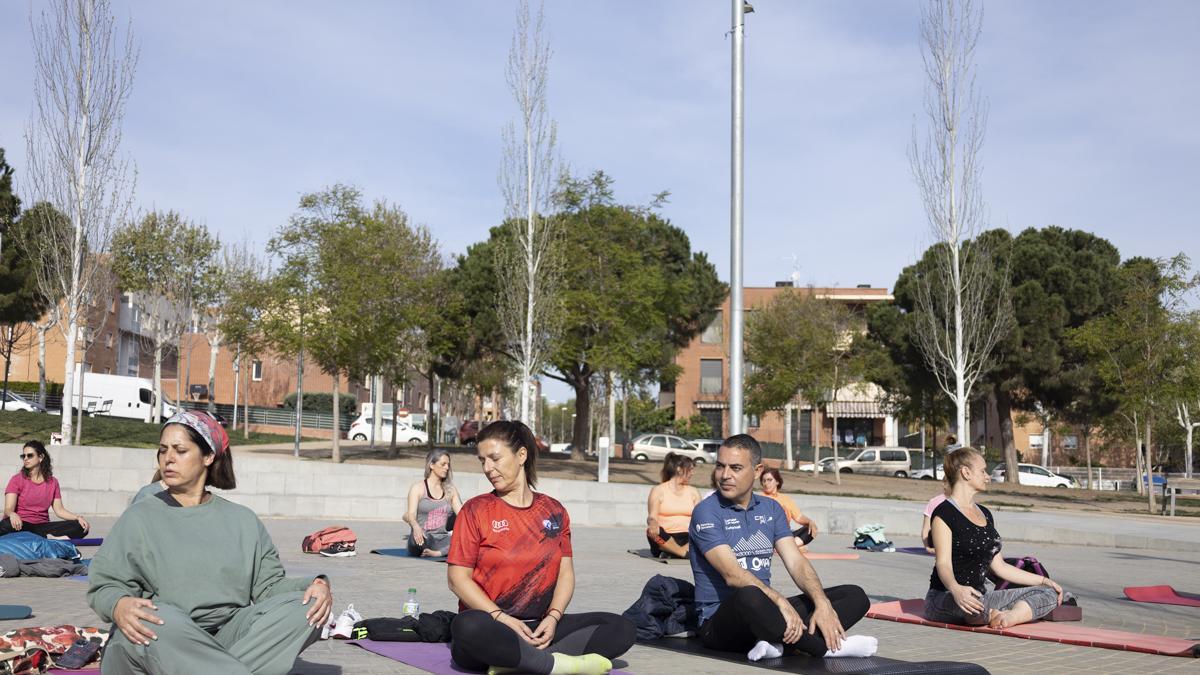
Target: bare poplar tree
[97, 308]
[963, 301]
[83, 74]
[528, 263]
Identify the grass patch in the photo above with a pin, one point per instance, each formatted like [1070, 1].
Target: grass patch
[20, 426]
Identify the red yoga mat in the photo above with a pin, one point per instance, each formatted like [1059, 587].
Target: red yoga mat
[912, 611]
[831, 556]
[1163, 595]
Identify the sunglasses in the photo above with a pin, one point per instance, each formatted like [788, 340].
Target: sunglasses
[29, 456]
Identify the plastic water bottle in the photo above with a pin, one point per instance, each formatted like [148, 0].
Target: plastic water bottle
[411, 606]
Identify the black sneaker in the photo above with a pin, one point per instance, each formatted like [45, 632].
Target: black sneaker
[339, 549]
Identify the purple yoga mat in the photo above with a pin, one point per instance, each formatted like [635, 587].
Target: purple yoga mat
[433, 657]
[915, 550]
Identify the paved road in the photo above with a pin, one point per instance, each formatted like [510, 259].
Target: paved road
[610, 579]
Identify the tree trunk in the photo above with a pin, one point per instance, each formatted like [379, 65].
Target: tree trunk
[431, 417]
[42, 365]
[79, 421]
[787, 435]
[8, 367]
[237, 381]
[393, 451]
[1009, 445]
[1137, 440]
[337, 418]
[1085, 434]
[158, 406]
[246, 405]
[812, 424]
[837, 469]
[612, 430]
[69, 376]
[1149, 462]
[213, 350]
[583, 410]
[299, 400]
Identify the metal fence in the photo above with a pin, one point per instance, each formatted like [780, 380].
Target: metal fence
[282, 417]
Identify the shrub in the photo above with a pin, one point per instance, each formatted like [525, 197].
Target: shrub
[322, 402]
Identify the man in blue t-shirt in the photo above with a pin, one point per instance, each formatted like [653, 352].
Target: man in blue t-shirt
[734, 534]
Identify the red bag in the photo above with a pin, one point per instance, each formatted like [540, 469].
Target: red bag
[321, 540]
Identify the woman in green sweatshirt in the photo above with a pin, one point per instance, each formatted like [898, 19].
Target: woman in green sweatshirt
[192, 581]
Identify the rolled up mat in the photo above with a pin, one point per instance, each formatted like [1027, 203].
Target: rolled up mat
[1162, 595]
[803, 663]
[432, 657]
[645, 553]
[14, 612]
[830, 556]
[913, 611]
[403, 553]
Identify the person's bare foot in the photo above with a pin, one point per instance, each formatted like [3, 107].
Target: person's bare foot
[432, 554]
[58, 536]
[1001, 620]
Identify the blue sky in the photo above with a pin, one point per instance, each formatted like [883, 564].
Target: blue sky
[240, 107]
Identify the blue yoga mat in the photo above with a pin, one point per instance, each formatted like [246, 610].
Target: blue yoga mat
[403, 553]
[14, 612]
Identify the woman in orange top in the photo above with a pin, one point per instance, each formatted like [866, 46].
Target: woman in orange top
[806, 529]
[670, 508]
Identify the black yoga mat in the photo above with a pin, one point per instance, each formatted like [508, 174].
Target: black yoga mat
[403, 553]
[645, 553]
[799, 663]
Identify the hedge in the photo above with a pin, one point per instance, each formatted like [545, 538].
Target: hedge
[322, 402]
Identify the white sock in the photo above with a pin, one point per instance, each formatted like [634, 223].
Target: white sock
[856, 645]
[765, 650]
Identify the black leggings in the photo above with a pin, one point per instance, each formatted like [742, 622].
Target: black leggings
[749, 615]
[57, 528]
[680, 538]
[480, 642]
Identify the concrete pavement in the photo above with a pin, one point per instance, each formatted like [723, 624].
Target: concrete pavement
[610, 579]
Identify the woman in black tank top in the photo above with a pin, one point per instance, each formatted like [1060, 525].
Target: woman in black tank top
[967, 545]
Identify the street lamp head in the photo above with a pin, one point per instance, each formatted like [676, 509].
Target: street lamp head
[747, 8]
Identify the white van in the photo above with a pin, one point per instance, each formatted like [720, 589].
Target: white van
[882, 461]
[119, 396]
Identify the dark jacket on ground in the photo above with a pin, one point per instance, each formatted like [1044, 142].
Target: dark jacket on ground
[44, 567]
[666, 607]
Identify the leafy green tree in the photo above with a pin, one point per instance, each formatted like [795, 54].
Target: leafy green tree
[170, 266]
[801, 345]
[1139, 347]
[693, 427]
[10, 204]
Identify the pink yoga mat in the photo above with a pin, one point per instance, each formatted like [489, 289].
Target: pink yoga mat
[1163, 595]
[912, 611]
[433, 657]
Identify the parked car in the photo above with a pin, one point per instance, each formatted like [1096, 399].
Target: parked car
[1032, 474]
[936, 473]
[826, 464]
[360, 430]
[15, 401]
[467, 431]
[654, 447]
[883, 461]
[709, 445]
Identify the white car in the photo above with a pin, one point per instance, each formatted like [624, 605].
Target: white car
[936, 473]
[14, 401]
[1032, 474]
[360, 430]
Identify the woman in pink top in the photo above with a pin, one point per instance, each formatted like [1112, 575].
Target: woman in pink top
[30, 495]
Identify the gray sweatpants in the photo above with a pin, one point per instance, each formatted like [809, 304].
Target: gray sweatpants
[940, 605]
[262, 639]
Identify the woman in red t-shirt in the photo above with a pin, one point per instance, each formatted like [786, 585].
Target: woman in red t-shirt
[30, 495]
[510, 566]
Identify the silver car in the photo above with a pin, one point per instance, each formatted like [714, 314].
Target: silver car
[655, 447]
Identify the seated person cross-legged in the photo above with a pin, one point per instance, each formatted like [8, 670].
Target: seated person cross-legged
[734, 534]
[432, 507]
[967, 544]
[192, 581]
[32, 493]
[804, 529]
[669, 507]
[511, 567]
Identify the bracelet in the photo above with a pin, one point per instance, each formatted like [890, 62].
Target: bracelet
[1043, 581]
[494, 612]
[555, 609]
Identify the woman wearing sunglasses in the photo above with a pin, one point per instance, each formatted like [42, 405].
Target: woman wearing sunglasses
[30, 495]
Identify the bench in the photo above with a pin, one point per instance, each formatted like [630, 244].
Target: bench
[1177, 485]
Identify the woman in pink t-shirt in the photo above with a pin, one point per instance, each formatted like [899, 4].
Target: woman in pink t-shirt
[30, 495]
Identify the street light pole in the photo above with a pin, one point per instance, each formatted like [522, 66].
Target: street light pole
[735, 239]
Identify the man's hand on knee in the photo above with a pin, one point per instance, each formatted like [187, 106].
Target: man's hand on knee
[794, 625]
[129, 613]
